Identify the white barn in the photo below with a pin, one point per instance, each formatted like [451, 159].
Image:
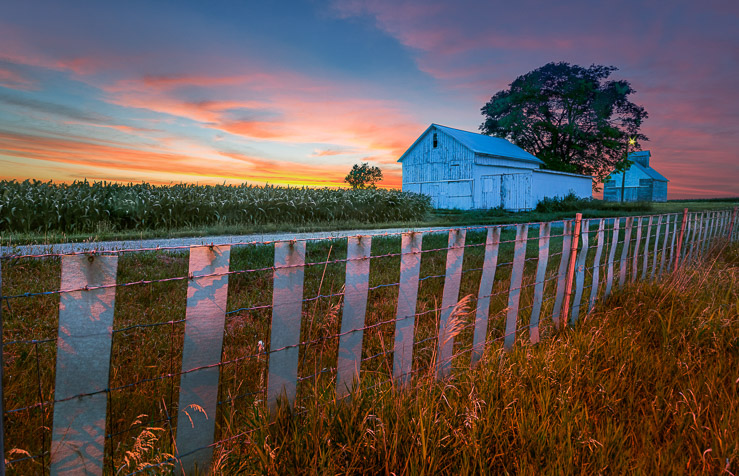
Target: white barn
[465, 170]
[642, 182]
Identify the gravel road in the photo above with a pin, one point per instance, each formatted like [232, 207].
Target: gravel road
[65, 248]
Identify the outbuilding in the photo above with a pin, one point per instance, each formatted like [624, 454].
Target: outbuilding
[466, 170]
[640, 182]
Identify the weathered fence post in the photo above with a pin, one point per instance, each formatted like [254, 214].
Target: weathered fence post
[731, 225]
[514, 294]
[672, 243]
[483, 295]
[635, 267]
[287, 310]
[645, 261]
[611, 256]
[580, 272]
[356, 289]
[410, 266]
[596, 267]
[86, 307]
[205, 317]
[562, 271]
[450, 297]
[541, 275]
[655, 251]
[625, 252]
[571, 268]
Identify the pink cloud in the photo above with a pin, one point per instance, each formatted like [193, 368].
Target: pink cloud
[14, 80]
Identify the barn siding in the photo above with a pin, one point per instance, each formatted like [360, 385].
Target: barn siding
[456, 177]
[632, 192]
[639, 186]
[450, 160]
[551, 184]
[660, 191]
[488, 184]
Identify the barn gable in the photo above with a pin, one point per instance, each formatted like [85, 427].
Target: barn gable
[465, 170]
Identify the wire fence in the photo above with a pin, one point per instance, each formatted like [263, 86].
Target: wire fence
[103, 349]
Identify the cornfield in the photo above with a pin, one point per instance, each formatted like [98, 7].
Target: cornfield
[35, 206]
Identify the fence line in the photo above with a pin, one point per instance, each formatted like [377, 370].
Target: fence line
[82, 432]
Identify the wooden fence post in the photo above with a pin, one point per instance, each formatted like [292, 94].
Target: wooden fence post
[356, 289]
[731, 225]
[625, 252]
[580, 272]
[410, 266]
[205, 318]
[596, 266]
[541, 275]
[562, 271]
[483, 296]
[514, 294]
[635, 267]
[287, 310]
[571, 268]
[611, 256]
[450, 297]
[85, 337]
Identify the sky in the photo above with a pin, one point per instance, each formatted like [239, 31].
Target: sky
[296, 92]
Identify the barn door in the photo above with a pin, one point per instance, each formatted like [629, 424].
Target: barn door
[490, 191]
[433, 191]
[515, 190]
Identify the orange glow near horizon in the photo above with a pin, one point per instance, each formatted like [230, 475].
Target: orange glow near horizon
[191, 93]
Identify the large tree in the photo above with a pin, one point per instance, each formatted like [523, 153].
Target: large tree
[572, 118]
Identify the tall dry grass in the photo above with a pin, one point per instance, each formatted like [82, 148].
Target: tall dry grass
[647, 384]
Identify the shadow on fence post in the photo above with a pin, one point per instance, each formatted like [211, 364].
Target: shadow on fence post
[731, 225]
[571, 269]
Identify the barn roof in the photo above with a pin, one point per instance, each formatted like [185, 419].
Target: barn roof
[481, 144]
[649, 171]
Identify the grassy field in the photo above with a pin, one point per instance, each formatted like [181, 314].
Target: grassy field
[648, 384]
[151, 318]
[44, 213]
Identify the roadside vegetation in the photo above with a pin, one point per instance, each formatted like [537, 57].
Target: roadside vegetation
[38, 208]
[46, 213]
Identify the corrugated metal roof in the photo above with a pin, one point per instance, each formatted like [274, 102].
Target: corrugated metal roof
[482, 144]
[649, 171]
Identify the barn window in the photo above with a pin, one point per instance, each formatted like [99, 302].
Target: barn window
[436, 140]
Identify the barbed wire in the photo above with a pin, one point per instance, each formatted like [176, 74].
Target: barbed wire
[701, 235]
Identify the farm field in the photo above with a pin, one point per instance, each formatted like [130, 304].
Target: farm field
[44, 213]
[646, 383]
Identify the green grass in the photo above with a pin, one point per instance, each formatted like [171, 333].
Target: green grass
[45, 213]
[40, 208]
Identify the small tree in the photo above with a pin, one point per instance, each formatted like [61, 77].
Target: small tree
[363, 176]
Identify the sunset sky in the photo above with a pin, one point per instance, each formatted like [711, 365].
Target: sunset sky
[295, 92]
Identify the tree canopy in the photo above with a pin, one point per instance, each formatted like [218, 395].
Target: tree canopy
[363, 176]
[572, 118]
